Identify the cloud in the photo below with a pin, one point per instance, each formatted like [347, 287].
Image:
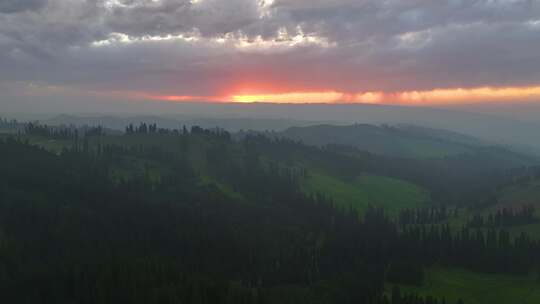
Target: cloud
[15, 6]
[222, 47]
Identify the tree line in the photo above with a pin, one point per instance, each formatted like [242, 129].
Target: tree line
[503, 217]
[61, 132]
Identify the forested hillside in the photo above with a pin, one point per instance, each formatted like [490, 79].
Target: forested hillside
[193, 216]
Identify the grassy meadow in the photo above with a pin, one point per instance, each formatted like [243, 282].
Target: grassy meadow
[476, 288]
[392, 194]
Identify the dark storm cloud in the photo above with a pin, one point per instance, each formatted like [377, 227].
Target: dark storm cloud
[205, 47]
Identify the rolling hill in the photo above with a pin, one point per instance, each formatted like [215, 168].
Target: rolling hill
[403, 141]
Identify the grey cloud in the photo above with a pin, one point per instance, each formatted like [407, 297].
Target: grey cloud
[208, 17]
[451, 43]
[350, 19]
[15, 6]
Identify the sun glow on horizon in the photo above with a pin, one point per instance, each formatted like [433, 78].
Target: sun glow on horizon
[309, 97]
[425, 97]
[293, 97]
[416, 97]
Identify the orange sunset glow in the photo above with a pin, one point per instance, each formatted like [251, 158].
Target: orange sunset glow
[427, 97]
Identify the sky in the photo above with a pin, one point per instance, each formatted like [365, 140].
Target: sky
[56, 53]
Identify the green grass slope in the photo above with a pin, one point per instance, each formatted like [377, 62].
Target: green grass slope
[476, 288]
[392, 194]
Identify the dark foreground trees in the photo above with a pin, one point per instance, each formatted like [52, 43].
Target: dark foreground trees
[71, 233]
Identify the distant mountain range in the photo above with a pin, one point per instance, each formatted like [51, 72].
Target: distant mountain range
[500, 129]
